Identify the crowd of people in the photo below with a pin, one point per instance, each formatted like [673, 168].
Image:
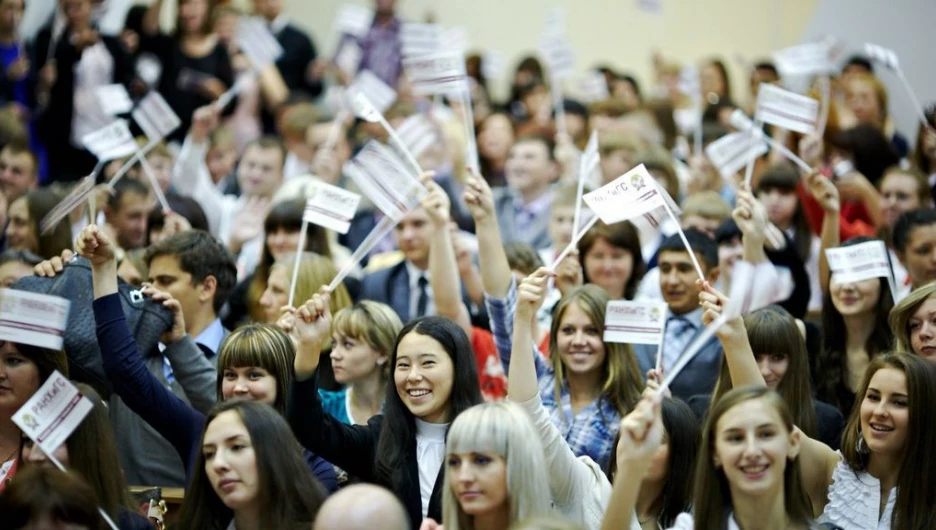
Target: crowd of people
[457, 377]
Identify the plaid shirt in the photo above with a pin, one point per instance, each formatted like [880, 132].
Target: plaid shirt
[591, 432]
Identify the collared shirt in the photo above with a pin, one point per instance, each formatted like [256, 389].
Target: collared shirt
[677, 336]
[381, 51]
[527, 213]
[591, 432]
[414, 274]
[210, 338]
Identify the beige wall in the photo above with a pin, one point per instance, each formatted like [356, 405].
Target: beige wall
[614, 31]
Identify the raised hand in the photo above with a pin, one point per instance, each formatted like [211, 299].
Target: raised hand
[641, 432]
[310, 328]
[478, 198]
[50, 267]
[532, 291]
[811, 149]
[569, 273]
[95, 246]
[248, 224]
[436, 203]
[824, 191]
[177, 331]
[654, 380]
[713, 304]
[750, 215]
[204, 122]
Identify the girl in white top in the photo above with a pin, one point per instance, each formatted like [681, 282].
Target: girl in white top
[748, 476]
[579, 487]
[879, 481]
[494, 472]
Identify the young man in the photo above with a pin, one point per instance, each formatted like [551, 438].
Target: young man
[127, 212]
[684, 315]
[19, 169]
[295, 65]
[522, 207]
[236, 221]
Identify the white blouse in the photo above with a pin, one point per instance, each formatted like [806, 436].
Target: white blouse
[430, 453]
[855, 501]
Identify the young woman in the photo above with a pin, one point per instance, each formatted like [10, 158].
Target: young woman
[282, 227]
[611, 259]
[914, 239]
[495, 137]
[579, 487]
[913, 322]
[245, 473]
[22, 230]
[89, 453]
[253, 363]
[748, 475]
[362, 340]
[494, 473]
[23, 369]
[196, 67]
[434, 380]
[780, 351]
[314, 272]
[15, 264]
[866, 98]
[776, 189]
[876, 481]
[902, 190]
[854, 331]
[48, 498]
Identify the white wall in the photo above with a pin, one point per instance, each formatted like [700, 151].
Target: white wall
[614, 31]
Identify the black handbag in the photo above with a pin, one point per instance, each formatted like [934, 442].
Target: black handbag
[146, 319]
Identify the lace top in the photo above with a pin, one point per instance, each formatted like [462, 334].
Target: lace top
[855, 500]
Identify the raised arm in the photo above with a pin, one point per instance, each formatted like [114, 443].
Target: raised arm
[733, 335]
[190, 175]
[522, 378]
[151, 18]
[443, 268]
[751, 217]
[495, 270]
[825, 192]
[140, 390]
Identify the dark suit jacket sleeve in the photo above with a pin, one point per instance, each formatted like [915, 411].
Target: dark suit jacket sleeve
[350, 447]
[374, 286]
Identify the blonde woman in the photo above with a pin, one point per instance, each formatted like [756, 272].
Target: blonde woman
[495, 473]
[913, 322]
[314, 272]
[363, 336]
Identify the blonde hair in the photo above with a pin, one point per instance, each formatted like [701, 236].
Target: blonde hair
[263, 346]
[707, 204]
[376, 324]
[503, 429]
[314, 272]
[901, 314]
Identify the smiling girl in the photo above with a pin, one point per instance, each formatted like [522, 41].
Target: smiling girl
[494, 470]
[434, 380]
[244, 476]
[254, 363]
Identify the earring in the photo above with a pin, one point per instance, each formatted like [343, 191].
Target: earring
[861, 447]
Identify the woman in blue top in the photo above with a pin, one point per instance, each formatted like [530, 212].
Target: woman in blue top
[363, 336]
[255, 363]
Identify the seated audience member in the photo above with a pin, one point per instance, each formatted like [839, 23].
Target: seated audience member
[237, 221]
[314, 272]
[293, 125]
[914, 240]
[244, 473]
[912, 321]
[678, 284]
[19, 170]
[561, 215]
[610, 257]
[496, 134]
[619, 151]
[362, 507]
[127, 212]
[253, 364]
[523, 206]
[15, 264]
[89, 453]
[222, 159]
[866, 98]
[902, 190]
[23, 229]
[45, 497]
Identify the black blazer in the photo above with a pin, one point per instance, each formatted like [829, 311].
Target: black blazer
[391, 286]
[354, 449]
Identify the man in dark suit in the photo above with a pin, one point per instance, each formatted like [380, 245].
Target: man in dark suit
[522, 207]
[684, 315]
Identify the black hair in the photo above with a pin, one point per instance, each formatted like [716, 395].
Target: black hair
[574, 107]
[122, 188]
[187, 207]
[907, 222]
[540, 139]
[684, 436]
[633, 82]
[727, 231]
[398, 435]
[860, 61]
[767, 65]
[872, 152]
[701, 243]
[200, 255]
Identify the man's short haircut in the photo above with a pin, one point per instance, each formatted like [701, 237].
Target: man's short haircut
[19, 147]
[702, 244]
[767, 65]
[907, 222]
[706, 204]
[200, 255]
[539, 139]
[269, 142]
[521, 257]
[122, 188]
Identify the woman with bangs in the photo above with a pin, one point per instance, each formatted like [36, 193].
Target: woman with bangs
[913, 322]
[282, 228]
[494, 473]
[254, 363]
[780, 352]
[362, 341]
[876, 481]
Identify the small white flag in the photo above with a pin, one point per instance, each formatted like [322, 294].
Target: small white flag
[52, 413]
[442, 73]
[354, 20]
[633, 194]
[386, 180]
[110, 142]
[855, 263]
[594, 87]
[377, 92]
[155, 117]
[77, 196]
[492, 64]
[883, 55]
[813, 58]
[113, 99]
[633, 322]
[31, 318]
[257, 43]
[560, 57]
[420, 39]
[418, 134]
[730, 153]
[331, 207]
[786, 109]
[454, 39]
